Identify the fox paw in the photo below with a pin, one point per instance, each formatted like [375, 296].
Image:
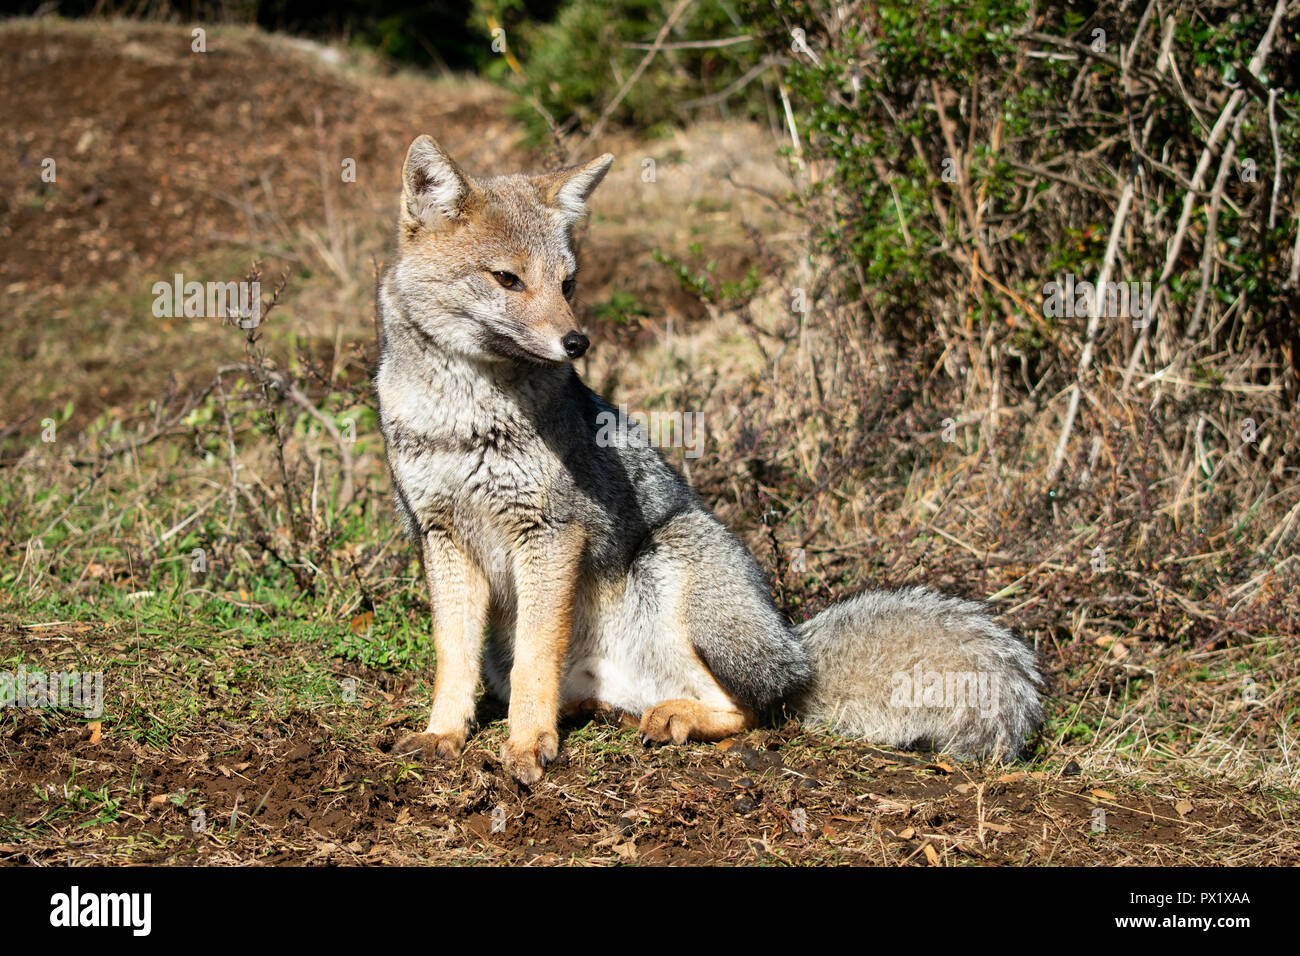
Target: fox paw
[429, 747]
[682, 720]
[524, 757]
[672, 720]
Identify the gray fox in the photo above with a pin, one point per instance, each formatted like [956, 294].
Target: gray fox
[569, 571]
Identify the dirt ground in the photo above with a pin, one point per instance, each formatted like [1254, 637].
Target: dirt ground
[318, 786]
[287, 793]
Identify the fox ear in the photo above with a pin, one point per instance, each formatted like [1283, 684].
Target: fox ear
[569, 188]
[434, 188]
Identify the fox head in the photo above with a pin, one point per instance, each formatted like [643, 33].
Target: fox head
[486, 266]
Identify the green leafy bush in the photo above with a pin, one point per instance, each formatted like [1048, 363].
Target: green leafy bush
[573, 67]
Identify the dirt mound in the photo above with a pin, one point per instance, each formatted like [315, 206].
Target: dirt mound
[162, 153]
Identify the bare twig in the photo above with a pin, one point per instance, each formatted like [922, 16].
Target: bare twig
[732, 89]
[1210, 246]
[1277, 157]
[692, 44]
[1221, 127]
[1094, 320]
[655, 47]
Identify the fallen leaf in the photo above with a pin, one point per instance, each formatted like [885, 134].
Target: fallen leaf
[1012, 777]
[999, 828]
[1183, 807]
[944, 766]
[1103, 794]
[362, 622]
[157, 799]
[1118, 651]
[96, 727]
[931, 854]
[907, 834]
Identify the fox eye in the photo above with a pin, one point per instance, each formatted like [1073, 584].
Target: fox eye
[568, 286]
[509, 281]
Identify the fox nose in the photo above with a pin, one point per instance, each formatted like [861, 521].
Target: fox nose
[575, 343]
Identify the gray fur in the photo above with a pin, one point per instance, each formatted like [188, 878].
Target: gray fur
[524, 438]
[860, 646]
[491, 440]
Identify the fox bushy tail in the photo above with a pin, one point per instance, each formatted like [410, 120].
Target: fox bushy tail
[914, 668]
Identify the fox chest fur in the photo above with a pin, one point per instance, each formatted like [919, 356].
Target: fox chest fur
[467, 461]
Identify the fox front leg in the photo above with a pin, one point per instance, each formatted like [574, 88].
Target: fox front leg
[546, 570]
[458, 594]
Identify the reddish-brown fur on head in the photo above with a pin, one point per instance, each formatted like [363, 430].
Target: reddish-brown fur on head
[492, 259]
